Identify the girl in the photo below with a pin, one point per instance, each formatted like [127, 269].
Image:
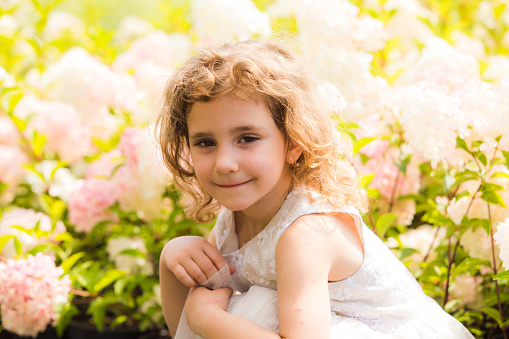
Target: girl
[242, 128]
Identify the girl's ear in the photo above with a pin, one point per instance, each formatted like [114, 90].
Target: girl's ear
[293, 153]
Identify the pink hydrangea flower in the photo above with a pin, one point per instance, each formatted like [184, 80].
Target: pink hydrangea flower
[89, 203]
[28, 219]
[91, 87]
[141, 181]
[60, 123]
[9, 134]
[381, 162]
[30, 289]
[11, 164]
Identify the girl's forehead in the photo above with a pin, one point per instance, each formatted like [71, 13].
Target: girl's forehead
[229, 113]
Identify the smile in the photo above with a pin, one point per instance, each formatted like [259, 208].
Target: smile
[233, 185]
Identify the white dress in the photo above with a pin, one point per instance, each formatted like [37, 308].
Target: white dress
[381, 300]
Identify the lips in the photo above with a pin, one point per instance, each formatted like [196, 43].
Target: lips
[233, 185]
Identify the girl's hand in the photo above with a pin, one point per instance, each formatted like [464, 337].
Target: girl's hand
[203, 304]
[192, 259]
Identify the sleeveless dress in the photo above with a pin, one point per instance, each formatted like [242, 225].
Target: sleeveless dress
[381, 300]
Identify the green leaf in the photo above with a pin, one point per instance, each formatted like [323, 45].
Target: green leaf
[502, 276]
[492, 187]
[403, 163]
[68, 263]
[365, 180]
[500, 175]
[18, 246]
[482, 158]
[384, 222]
[506, 156]
[134, 252]
[23, 229]
[406, 252]
[119, 321]
[359, 144]
[493, 197]
[468, 264]
[490, 311]
[39, 142]
[20, 124]
[4, 239]
[66, 314]
[108, 279]
[460, 143]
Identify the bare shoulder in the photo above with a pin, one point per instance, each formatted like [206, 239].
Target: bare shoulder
[332, 237]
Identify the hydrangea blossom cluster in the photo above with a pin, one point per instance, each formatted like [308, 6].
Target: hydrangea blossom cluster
[152, 58]
[338, 43]
[92, 88]
[389, 181]
[223, 20]
[61, 23]
[89, 203]
[30, 290]
[141, 181]
[448, 99]
[131, 175]
[59, 122]
[28, 219]
[502, 240]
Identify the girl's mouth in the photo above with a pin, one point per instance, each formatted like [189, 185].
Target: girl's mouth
[233, 185]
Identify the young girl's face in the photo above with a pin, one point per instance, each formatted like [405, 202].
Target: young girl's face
[238, 153]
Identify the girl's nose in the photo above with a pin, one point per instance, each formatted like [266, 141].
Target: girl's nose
[226, 161]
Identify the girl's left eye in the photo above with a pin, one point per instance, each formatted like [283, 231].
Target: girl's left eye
[248, 139]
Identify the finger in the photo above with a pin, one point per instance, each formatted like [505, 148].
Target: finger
[182, 275]
[194, 271]
[206, 265]
[215, 256]
[232, 269]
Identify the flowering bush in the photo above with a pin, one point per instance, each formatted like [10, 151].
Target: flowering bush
[419, 91]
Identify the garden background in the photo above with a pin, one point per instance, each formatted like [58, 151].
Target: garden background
[418, 90]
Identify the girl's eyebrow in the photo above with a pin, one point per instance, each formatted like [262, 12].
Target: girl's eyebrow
[234, 130]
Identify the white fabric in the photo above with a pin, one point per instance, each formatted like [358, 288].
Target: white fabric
[381, 300]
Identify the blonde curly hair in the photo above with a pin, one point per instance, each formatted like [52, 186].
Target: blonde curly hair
[274, 72]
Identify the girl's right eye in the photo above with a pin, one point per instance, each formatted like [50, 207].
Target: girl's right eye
[205, 143]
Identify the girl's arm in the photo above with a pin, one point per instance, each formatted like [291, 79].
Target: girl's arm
[185, 262]
[310, 252]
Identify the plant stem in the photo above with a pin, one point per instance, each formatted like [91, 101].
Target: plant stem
[451, 260]
[431, 244]
[495, 272]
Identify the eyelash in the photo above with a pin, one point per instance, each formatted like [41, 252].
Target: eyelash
[201, 143]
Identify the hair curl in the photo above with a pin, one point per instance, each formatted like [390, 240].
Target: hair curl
[255, 69]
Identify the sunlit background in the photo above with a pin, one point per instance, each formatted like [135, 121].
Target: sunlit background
[418, 90]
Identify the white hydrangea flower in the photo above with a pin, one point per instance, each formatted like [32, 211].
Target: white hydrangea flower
[432, 120]
[116, 246]
[61, 23]
[6, 80]
[60, 183]
[8, 26]
[331, 99]
[220, 21]
[501, 237]
[130, 28]
[91, 87]
[478, 244]
[497, 69]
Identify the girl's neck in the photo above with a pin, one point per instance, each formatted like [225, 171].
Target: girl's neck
[251, 221]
